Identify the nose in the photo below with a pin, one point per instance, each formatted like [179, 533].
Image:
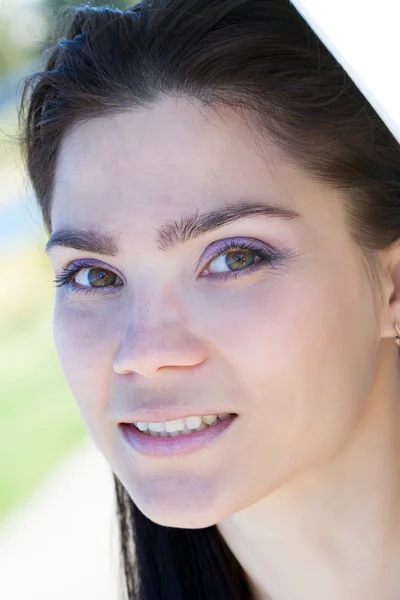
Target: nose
[150, 350]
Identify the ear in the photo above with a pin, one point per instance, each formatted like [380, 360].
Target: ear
[390, 290]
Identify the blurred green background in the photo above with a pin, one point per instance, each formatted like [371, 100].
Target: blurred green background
[39, 421]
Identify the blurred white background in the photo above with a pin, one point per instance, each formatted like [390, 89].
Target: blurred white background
[63, 543]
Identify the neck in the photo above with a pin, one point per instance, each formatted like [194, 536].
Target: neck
[333, 532]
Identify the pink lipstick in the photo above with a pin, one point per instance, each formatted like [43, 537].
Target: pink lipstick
[174, 446]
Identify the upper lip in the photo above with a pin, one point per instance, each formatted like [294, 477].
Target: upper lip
[168, 414]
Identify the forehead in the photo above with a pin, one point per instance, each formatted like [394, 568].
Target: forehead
[171, 153]
[135, 169]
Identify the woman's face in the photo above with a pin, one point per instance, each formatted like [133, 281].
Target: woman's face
[210, 305]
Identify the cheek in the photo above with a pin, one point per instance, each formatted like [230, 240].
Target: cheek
[83, 342]
[251, 329]
[297, 357]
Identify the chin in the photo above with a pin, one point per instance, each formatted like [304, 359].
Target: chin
[179, 509]
[176, 499]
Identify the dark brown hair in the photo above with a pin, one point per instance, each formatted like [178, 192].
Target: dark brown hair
[261, 59]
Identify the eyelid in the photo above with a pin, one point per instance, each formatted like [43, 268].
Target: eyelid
[207, 255]
[84, 263]
[75, 267]
[218, 247]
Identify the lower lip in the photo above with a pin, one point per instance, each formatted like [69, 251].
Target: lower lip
[173, 446]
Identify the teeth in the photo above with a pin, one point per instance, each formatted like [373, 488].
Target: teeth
[156, 426]
[209, 419]
[193, 422]
[180, 426]
[177, 425]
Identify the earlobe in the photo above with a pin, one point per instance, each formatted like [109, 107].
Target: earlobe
[397, 340]
[391, 325]
[390, 296]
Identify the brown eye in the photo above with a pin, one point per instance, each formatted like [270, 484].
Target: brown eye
[87, 278]
[234, 260]
[97, 277]
[239, 259]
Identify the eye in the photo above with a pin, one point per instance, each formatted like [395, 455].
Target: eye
[96, 276]
[232, 257]
[87, 278]
[234, 260]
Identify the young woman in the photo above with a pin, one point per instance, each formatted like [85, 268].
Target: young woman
[224, 212]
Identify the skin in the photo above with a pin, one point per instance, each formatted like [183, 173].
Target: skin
[305, 484]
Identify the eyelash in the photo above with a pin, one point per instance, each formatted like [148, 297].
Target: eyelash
[264, 258]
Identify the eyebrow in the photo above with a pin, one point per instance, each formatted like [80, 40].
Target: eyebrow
[172, 233]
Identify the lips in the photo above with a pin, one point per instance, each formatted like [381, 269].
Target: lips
[148, 445]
